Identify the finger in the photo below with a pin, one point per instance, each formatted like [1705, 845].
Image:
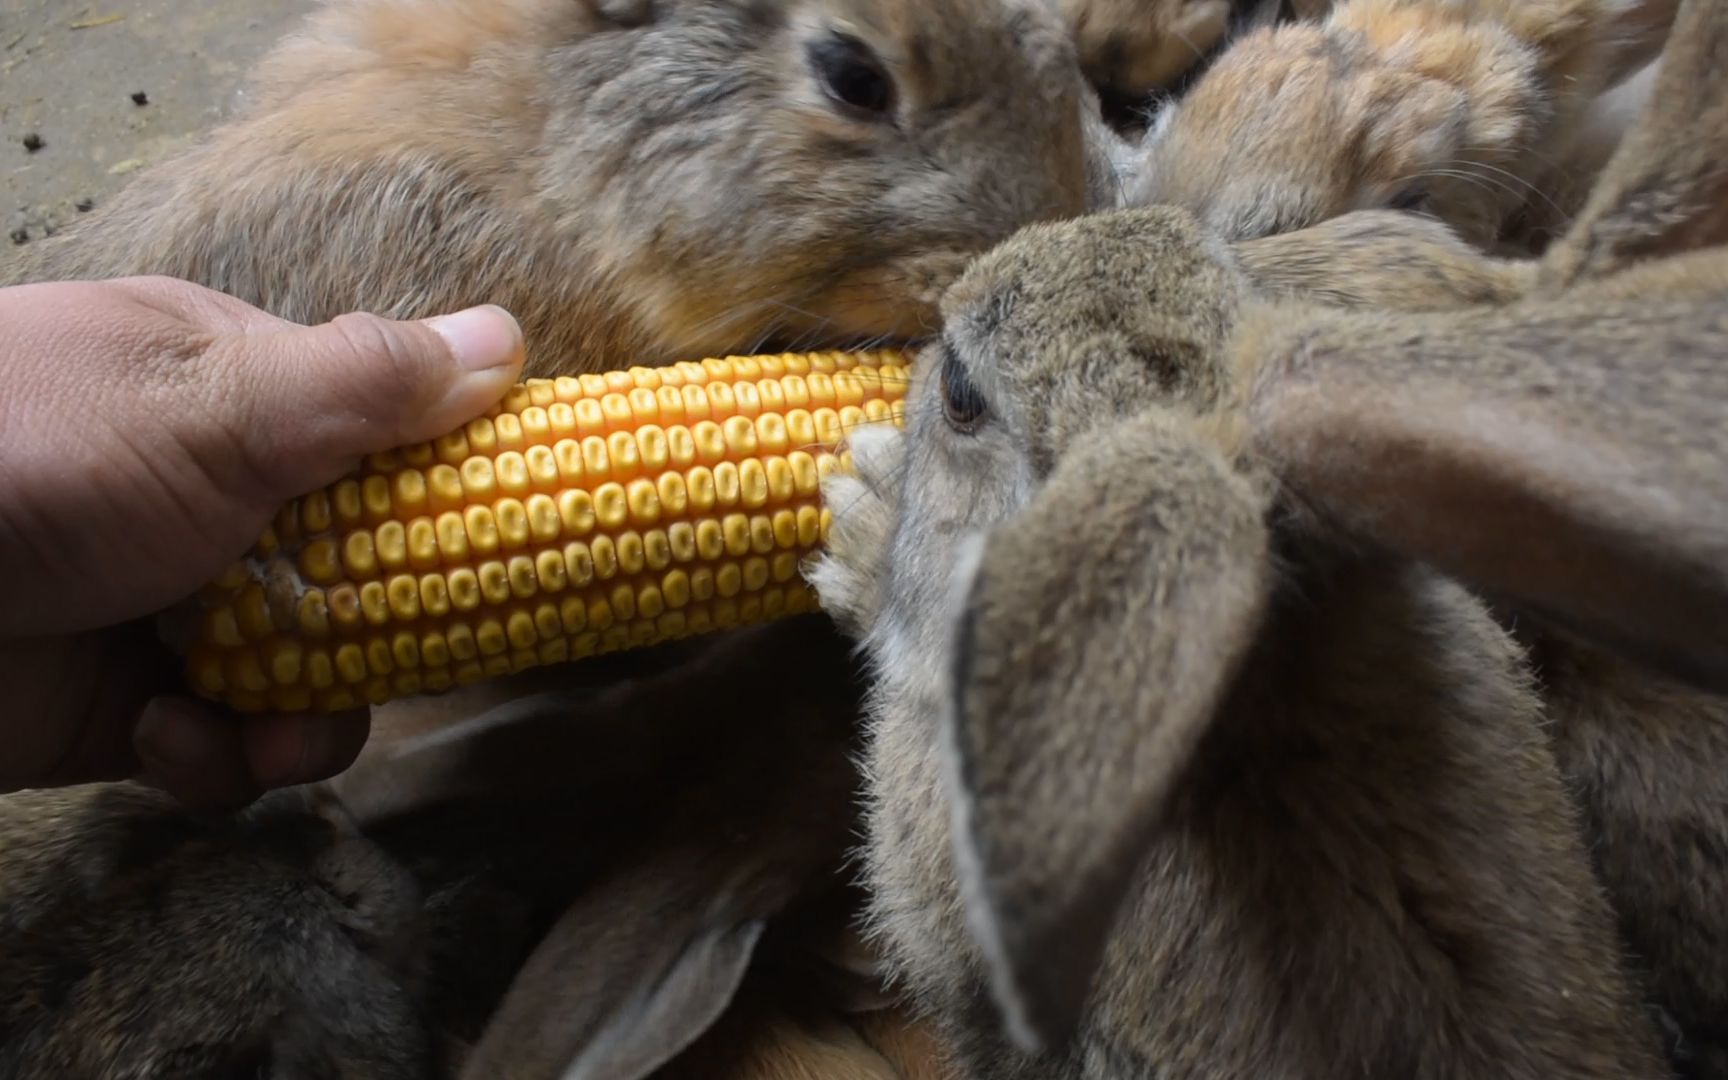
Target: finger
[195, 753]
[283, 750]
[317, 399]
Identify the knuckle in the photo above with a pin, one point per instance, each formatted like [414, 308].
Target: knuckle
[390, 369]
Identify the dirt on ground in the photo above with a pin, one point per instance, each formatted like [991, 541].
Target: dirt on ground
[93, 90]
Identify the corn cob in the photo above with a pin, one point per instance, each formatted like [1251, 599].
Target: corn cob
[579, 516]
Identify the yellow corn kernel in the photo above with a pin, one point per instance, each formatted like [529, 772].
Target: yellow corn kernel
[579, 516]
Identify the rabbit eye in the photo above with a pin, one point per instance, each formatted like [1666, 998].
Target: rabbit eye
[962, 405]
[851, 75]
[1413, 198]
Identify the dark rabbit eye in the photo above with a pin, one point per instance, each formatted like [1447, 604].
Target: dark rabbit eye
[851, 74]
[1413, 198]
[962, 405]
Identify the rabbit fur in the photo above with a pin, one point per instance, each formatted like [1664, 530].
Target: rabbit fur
[1645, 755]
[1322, 832]
[1466, 110]
[638, 182]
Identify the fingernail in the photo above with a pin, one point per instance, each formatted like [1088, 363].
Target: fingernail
[481, 338]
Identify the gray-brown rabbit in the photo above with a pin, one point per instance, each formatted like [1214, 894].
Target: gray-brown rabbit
[570, 883]
[634, 179]
[1317, 832]
[1645, 755]
[1320, 832]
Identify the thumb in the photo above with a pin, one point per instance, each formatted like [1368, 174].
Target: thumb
[325, 396]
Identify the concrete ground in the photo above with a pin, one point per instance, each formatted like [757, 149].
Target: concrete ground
[68, 73]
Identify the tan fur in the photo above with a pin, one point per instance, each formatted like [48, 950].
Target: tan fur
[1637, 456]
[1382, 260]
[1645, 758]
[1460, 107]
[1564, 452]
[672, 186]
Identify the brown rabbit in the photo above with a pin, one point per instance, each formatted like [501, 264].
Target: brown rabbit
[636, 180]
[1298, 741]
[1461, 109]
[563, 885]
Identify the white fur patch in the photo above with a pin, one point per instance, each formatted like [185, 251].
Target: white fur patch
[877, 451]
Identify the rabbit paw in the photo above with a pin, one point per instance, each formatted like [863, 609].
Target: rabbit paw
[848, 575]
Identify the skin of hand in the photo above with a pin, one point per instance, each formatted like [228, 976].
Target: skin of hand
[150, 429]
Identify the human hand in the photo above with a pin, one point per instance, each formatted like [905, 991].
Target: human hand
[150, 430]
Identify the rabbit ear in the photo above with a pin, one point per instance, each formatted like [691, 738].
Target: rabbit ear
[1568, 457]
[630, 975]
[1665, 190]
[1099, 629]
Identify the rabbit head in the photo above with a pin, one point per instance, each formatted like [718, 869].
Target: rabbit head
[1002, 427]
[832, 163]
[632, 180]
